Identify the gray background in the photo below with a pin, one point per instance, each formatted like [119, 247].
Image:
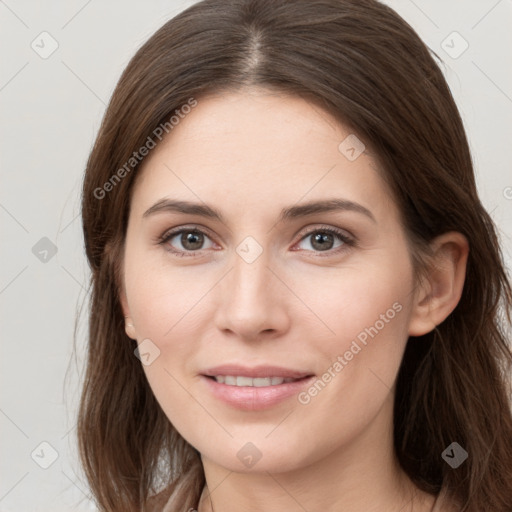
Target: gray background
[51, 108]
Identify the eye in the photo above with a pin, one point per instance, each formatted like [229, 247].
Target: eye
[190, 239]
[322, 240]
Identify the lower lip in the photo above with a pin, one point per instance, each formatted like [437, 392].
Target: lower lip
[251, 398]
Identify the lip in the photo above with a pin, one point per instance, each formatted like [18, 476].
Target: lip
[251, 398]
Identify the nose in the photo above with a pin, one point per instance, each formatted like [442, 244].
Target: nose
[253, 302]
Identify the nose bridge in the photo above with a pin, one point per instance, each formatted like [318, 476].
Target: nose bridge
[250, 277]
[250, 301]
[250, 262]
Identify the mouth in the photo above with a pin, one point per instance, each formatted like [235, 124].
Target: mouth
[244, 381]
[254, 389]
[244, 374]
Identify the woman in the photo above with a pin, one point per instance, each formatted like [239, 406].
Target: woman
[295, 287]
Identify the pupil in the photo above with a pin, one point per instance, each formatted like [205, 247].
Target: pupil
[320, 238]
[191, 238]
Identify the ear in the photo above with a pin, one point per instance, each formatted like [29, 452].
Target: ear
[438, 295]
[128, 322]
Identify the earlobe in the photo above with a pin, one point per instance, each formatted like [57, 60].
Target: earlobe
[129, 328]
[438, 295]
[128, 322]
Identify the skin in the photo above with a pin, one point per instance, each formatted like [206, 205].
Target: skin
[249, 154]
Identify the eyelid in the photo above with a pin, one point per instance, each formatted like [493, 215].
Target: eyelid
[186, 227]
[327, 227]
[348, 239]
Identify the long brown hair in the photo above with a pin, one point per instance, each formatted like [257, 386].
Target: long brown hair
[366, 66]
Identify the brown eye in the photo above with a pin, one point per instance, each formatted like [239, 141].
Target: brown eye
[190, 240]
[323, 240]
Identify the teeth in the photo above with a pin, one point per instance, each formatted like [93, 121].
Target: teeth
[249, 381]
[267, 381]
[243, 381]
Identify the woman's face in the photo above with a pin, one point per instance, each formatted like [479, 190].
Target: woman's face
[265, 294]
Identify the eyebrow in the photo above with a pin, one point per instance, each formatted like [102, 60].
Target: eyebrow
[292, 212]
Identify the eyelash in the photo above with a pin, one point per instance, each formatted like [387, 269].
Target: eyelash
[348, 242]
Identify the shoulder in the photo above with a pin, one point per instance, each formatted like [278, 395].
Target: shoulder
[445, 502]
[176, 497]
[159, 502]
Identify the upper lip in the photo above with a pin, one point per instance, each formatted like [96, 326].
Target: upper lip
[256, 371]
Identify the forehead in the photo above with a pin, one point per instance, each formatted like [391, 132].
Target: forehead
[258, 148]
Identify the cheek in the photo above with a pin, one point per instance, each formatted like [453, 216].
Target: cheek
[374, 296]
[162, 299]
[368, 310]
[163, 304]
